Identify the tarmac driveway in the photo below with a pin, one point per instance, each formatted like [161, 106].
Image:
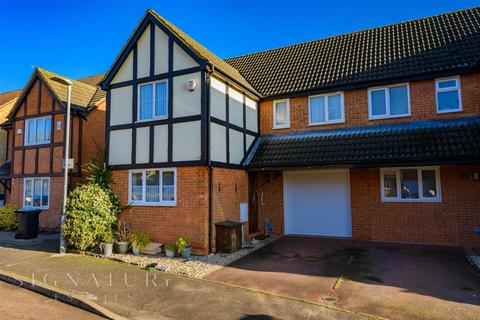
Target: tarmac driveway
[397, 281]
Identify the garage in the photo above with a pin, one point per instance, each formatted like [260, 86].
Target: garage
[317, 203]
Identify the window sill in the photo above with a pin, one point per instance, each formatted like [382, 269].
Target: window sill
[388, 117]
[151, 120]
[411, 200]
[281, 127]
[34, 208]
[449, 111]
[153, 204]
[37, 144]
[311, 124]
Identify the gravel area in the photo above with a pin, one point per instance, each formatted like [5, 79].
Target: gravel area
[195, 267]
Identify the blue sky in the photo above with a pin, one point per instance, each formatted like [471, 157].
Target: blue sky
[81, 38]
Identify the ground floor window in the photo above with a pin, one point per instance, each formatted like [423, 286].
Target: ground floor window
[153, 187]
[36, 192]
[420, 184]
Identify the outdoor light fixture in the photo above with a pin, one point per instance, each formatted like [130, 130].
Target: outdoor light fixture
[68, 83]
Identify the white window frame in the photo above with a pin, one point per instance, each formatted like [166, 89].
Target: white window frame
[27, 131]
[155, 117]
[421, 198]
[33, 190]
[325, 98]
[162, 203]
[387, 102]
[282, 126]
[457, 87]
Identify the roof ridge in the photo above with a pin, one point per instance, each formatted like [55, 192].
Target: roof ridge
[65, 77]
[351, 33]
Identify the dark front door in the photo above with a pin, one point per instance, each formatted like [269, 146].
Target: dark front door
[253, 203]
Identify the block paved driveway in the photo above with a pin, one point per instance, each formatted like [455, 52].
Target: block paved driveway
[397, 281]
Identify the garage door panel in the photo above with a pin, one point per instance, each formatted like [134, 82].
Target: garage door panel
[317, 203]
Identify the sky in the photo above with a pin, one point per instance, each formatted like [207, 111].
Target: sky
[78, 38]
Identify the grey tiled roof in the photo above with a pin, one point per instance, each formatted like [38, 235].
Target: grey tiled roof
[421, 141]
[426, 46]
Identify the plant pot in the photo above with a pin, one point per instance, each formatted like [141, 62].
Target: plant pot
[170, 253]
[186, 253]
[136, 251]
[122, 246]
[107, 249]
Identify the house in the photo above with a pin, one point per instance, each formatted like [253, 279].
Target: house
[371, 135]
[33, 173]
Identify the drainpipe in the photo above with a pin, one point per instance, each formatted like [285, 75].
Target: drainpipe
[209, 164]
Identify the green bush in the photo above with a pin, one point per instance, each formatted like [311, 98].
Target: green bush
[8, 217]
[91, 216]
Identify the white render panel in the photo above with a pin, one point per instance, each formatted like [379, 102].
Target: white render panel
[186, 141]
[251, 115]
[236, 146]
[186, 103]
[160, 144]
[143, 54]
[218, 90]
[235, 107]
[161, 51]
[143, 145]
[181, 59]
[121, 105]
[125, 72]
[120, 148]
[218, 145]
[250, 140]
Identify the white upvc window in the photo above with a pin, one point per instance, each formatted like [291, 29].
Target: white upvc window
[448, 95]
[153, 187]
[38, 131]
[153, 101]
[281, 114]
[36, 192]
[389, 102]
[326, 108]
[410, 184]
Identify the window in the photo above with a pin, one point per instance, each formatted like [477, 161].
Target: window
[448, 95]
[38, 131]
[324, 109]
[389, 102]
[153, 187]
[36, 192]
[420, 184]
[152, 102]
[281, 114]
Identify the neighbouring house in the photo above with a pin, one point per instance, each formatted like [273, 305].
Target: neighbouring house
[371, 135]
[35, 129]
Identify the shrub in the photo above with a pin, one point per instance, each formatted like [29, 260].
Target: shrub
[139, 239]
[8, 217]
[90, 216]
[183, 243]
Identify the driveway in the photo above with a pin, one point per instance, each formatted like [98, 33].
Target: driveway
[397, 281]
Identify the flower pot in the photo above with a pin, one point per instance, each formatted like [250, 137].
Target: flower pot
[122, 247]
[186, 253]
[170, 253]
[136, 251]
[107, 248]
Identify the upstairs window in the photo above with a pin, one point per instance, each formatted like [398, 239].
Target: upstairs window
[36, 192]
[420, 184]
[281, 114]
[155, 187]
[38, 131]
[324, 109]
[448, 95]
[389, 102]
[152, 104]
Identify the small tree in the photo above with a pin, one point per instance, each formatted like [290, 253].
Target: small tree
[8, 217]
[90, 216]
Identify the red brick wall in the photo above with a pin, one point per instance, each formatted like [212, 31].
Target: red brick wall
[450, 221]
[230, 188]
[270, 200]
[94, 133]
[422, 107]
[166, 224]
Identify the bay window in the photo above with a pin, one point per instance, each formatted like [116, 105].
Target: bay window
[448, 95]
[152, 101]
[36, 192]
[389, 102]
[38, 131]
[421, 184]
[152, 187]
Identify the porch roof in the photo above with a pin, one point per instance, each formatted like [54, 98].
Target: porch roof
[420, 142]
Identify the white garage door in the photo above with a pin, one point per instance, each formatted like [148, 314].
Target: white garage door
[317, 203]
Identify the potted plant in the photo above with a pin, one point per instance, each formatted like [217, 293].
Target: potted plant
[107, 245]
[184, 247]
[139, 240]
[170, 249]
[123, 236]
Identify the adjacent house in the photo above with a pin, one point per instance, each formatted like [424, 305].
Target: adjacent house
[372, 135]
[33, 173]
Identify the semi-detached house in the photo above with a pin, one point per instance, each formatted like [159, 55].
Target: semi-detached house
[372, 135]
